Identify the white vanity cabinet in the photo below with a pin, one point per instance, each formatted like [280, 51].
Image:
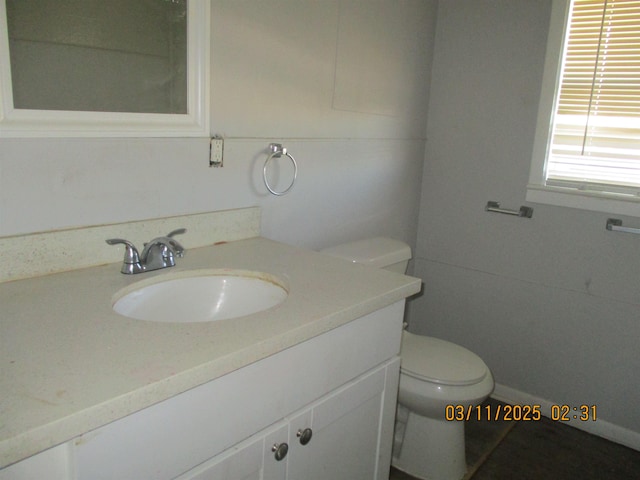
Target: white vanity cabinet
[93, 395]
[53, 464]
[341, 384]
[338, 437]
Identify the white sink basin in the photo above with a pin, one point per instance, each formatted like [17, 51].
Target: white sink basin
[200, 296]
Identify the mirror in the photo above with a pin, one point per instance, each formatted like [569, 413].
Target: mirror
[104, 68]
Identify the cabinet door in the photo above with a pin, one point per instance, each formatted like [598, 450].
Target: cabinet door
[345, 432]
[252, 459]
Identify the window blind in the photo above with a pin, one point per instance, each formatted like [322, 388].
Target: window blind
[595, 141]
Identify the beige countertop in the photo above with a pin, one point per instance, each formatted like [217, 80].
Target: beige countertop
[69, 364]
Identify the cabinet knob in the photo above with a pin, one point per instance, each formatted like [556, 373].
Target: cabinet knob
[304, 435]
[280, 450]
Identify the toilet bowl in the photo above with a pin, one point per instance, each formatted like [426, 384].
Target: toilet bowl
[436, 377]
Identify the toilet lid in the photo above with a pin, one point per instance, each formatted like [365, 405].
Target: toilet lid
[439, 361]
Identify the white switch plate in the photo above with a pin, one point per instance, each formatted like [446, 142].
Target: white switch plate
[216, 150]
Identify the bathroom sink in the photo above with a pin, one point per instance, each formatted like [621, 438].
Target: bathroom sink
[200, 296]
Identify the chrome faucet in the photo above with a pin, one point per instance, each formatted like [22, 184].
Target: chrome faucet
[159, 253]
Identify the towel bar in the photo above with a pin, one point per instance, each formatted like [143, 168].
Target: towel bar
[615, 225]
[526, 212]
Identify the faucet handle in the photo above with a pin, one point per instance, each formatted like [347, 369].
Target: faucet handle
[177, 248]
[131, 263]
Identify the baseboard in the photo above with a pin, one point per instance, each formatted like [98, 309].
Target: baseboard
[601, 428]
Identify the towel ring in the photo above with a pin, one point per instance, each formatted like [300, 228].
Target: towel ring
[276, 152]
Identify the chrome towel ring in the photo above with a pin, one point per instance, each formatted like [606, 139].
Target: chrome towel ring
[277, 150]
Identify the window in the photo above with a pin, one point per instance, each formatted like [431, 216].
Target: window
[587, 147]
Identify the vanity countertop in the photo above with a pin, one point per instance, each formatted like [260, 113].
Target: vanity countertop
[69, 364]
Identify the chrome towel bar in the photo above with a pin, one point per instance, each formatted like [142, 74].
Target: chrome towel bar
[615, 225]
[526, 212]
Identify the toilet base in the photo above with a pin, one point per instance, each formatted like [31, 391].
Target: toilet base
[427, 448]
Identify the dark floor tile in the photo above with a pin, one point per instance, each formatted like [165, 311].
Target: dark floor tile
[482, 433]
[550, 450]
[398, 475]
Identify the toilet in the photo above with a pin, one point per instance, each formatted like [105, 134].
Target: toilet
[434, 373]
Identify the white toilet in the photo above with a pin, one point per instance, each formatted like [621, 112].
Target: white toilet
[434, 373]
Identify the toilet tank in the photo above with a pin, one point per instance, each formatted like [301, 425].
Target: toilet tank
[378, 252]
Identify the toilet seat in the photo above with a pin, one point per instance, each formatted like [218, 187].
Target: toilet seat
[439, 361]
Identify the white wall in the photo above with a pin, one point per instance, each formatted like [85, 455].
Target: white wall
[342, 85]
[550, 303]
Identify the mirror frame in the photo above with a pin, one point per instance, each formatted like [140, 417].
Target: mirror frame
[16, 122]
